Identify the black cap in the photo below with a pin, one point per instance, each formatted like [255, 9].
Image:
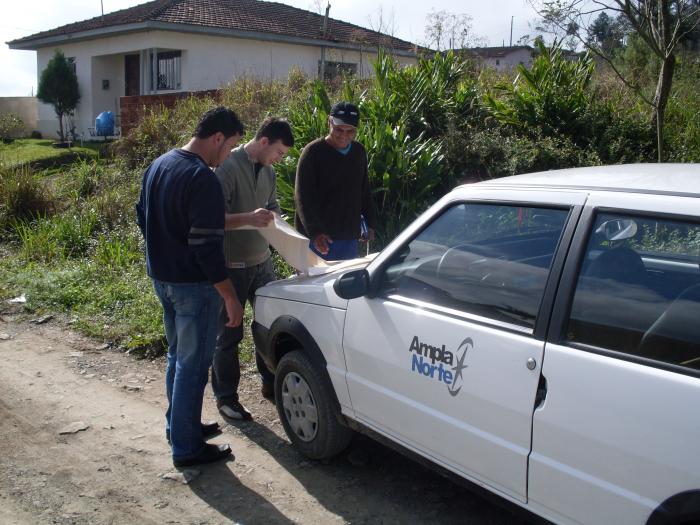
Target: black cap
[345, 113]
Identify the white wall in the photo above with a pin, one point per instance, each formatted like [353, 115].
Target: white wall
[110, 68]
[208, 62]
[510, 60]
[25, 108]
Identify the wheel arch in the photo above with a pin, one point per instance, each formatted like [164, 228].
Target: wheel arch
[683, 508]
[287, 333]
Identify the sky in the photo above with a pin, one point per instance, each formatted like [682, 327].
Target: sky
[406, 19]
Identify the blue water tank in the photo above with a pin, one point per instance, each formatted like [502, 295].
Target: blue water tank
[104, 124]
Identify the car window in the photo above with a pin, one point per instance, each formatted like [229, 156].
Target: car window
[484, 259]
[638, 290]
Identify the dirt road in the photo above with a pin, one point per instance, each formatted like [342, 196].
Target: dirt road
[113, 471]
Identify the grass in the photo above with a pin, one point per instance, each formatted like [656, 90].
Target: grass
[23, 196]
[38, 153]
[70, 264]
[71, 247]
[111, 304]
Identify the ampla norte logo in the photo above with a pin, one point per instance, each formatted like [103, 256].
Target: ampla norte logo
[424, 357]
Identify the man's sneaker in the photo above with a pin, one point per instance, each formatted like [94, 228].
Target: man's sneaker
[233, 410]
[268, 391]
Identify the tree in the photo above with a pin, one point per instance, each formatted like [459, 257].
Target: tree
[445, 30]
[58, 86]
[660, 24]
[607, 32]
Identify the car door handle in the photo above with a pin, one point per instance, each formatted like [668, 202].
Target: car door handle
[531, 363]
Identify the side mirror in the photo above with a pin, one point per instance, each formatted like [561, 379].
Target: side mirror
[352, 284]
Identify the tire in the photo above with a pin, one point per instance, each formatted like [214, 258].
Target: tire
[304, 399]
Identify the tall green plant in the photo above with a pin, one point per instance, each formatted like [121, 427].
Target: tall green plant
[309, 120]
[683, 126]
[552, 97]
[63, 236]
[22, 196]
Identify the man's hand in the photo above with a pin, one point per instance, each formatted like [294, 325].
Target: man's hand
[369, 237]
[322, 243]
[234, 310]
[260, 217]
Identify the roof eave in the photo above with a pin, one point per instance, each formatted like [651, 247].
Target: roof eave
[80, 36]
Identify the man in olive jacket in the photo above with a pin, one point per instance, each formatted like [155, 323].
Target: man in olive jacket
[249, 185]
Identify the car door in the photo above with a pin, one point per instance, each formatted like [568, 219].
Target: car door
[443, 357]
[617, 434]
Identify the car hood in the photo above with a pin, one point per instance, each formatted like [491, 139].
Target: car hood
[314, 289]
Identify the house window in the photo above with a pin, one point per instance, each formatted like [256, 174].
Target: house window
[337, 69]
[498, 62]
[71, 61]
[166, 73]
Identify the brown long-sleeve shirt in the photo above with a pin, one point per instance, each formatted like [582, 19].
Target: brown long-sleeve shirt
[332, 190]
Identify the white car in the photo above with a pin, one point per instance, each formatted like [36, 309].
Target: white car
[537, 335]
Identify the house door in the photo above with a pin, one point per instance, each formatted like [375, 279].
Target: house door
[132, 68]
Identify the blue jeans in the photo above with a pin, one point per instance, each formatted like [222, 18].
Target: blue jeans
[190, 314]
[338, 250]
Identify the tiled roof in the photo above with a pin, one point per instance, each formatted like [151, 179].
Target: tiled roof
[239, 15]
[496, 52]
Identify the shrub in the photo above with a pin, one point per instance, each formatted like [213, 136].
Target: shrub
[22, 196]
[557, 99]
[46, 239]
[11, 125]
[82, 179]
[683, 117]
[551, 98]
[495, 152]
[162, 129]
[117, 250]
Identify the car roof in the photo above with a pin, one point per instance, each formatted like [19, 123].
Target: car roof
[675, 179]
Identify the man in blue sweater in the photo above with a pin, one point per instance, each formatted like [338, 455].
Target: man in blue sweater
[181, 215]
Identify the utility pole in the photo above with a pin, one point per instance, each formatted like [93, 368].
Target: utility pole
[322, 69]
[511, 31]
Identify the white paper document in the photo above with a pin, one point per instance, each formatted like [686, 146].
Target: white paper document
[294, 248]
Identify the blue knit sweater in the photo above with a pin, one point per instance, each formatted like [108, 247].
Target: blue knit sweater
[181, 215]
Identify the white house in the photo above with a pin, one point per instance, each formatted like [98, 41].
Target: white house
[504, 58]
[168, 46]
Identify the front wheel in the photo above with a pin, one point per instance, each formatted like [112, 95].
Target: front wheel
[304, 399]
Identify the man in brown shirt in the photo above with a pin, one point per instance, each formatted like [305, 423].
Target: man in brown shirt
[332, 193]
